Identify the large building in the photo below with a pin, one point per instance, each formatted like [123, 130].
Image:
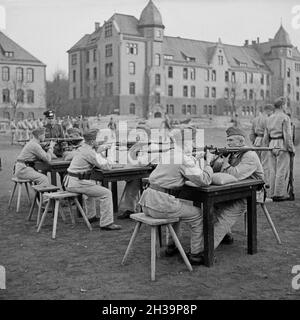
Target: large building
[129, 65]
[22, 82]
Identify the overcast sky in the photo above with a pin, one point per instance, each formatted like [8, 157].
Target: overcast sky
[48, 28]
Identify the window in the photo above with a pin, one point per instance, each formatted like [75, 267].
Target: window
[207, 75]
[108, 50]
[74, 93]
[170, 72]
[87, 56]
[20, 74]
[108, 29]
[157, 97]
[233, 79]
[245, 94]
[245, 77]
[20, 95]
[226, 93]
[297, 81]
[95, 55]
[250, 94]
[288, 72]
[131, 67]
[226, 76]
[297, 96]
[267, 94]
[220, 60]
[251, 77]
[205, 109]
[131, 88]
[157, 79]
[188, 109]
[95, 91]
[5, 73]
[213, 75]
[185, 91]
[213, 92]
[30, 75]
[74, 75]
[233, 93]
[95, 73]
[87, 74]
[157, 59]
[170, 108]
[193, 91]
[297, 67]
[131, 48]
[168, 57]
[74, 59]
[214, 109]
[268, 79]
[262, 78]
[194, 109]
[30, 96]
[183, 109]
[170, 90]
[158, 33]
[288, 88]
[5, 96]
[193, 73]
[262, 94]
[9, 54]
[109, 69]
[109, 89]
[185, 73]
[132, 108]
[206, 92]
[209, 109]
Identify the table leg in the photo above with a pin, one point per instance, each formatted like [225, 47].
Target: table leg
[208, 232]
[53, 178]
[114, 190]
[252, 223]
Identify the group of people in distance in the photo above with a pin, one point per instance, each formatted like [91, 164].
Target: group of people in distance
[158, 200]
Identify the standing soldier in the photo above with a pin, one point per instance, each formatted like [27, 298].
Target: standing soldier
[113, 127]
[32, 152]
[278, 134]
[259, 124]
[13, 128]
[78, 180]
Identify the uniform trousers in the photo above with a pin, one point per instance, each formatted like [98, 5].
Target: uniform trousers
[24, 172]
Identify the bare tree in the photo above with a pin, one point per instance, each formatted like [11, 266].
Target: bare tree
[16, 93]
[235, 94]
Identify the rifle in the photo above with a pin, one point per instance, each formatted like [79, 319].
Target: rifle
[63, 139]
[291, 178]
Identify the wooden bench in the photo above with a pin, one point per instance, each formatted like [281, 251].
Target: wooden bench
[19, 182]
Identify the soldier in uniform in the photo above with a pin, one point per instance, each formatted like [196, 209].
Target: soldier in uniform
[32, 152]
[54, 130]
[158, 202]
[77, 180]
[278, 134]
[258, 128]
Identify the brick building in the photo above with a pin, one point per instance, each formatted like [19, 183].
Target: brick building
[129, 65]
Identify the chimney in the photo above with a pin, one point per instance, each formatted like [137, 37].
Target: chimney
[257, 39]
[253, 42]
[97, 26]
[246, 43]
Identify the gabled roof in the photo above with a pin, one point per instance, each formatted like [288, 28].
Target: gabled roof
[19, 54]
[127, 24]
[203, 51]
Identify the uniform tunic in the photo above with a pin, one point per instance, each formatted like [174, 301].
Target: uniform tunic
[55, 131]
[84, 159]
[279, 127]
[31, 152]
[173, 175]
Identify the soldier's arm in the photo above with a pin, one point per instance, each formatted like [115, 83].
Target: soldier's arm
[244, 169]
[42, 154]
[97, 160]
[287, 135]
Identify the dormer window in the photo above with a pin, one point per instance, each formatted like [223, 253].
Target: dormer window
[158, 33]
[168, 57]
[9, 54]
[220, 60]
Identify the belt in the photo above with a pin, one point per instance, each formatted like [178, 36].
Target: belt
[81, 175]
[173, 192]
[276, 138]
[26, 162]
[260, 135]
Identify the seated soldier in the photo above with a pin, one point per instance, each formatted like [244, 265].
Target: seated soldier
[30, 153]
[77, 180]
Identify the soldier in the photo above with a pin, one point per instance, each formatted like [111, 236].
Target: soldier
[113, 127]
[278, 134]
[158, 202]
[259, 124]
[77, 180]
[54, 130]
[32, 152]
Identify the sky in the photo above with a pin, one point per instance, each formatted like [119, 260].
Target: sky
[48, 28]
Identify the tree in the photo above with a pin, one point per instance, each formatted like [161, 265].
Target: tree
[235, 94]
[16, 93]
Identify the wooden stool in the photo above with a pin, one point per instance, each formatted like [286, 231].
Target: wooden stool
[38, 198]
[154, 224]
[19, 183]
[56, 197]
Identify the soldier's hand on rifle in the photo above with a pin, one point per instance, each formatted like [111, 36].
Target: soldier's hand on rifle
[52, 144]
[226, 161]
[209, 157]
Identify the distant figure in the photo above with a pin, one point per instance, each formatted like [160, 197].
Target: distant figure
[113, 127]
[85, 124]
[13, 128]
[236, 121]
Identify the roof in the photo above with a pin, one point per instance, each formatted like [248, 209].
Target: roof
[282, 38]
[203, 50]
[19, 54]
[150, 16]
[127, 24]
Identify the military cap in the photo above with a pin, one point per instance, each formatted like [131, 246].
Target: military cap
[90, 135]
[49, 114]
[234, 131]
[38, 131]
[73, 131]
[279, 102]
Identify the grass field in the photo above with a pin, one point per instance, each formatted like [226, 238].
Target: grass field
[87, 265]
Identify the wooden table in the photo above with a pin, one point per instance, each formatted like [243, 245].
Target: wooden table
[212, 194]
